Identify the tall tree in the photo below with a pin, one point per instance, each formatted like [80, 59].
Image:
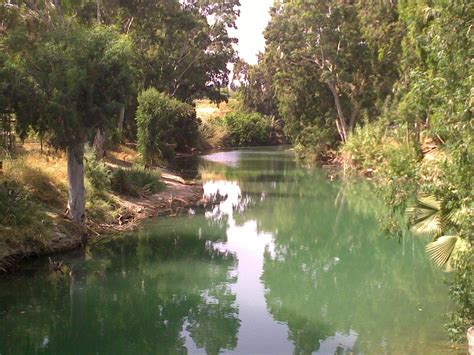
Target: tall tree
[183, 46]
[70, 82]
[331, 62]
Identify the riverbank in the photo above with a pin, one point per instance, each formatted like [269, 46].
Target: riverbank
[37, 224]
[235, 270]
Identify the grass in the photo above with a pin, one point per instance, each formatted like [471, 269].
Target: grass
[33, 194]
[207, 111]
[122, 156]
[33, 191]
[44, 176]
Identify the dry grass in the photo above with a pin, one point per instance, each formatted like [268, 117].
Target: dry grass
[44, 176]
[212, 133]
[122, 156]
[34, 184]
[208, 111]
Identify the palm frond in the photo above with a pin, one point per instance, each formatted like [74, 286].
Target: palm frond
[444, 250]
[426, 215]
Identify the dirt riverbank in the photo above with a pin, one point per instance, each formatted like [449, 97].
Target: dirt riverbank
[63, 235]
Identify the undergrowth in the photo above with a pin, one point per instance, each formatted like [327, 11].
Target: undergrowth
[136, 182]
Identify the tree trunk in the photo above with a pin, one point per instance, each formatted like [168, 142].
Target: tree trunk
[75, 176]
[121, 120]
[98, 11]
[343, 127]
[342, 124]
[99, 144]
[354, 115]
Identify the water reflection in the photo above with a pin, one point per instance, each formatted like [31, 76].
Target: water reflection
[286, 262]
[258, 332]
[131, 295]
[331, 282]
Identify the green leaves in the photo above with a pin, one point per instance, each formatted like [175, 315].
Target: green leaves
[164, 124]
[425, 215]
[247, 129]
[74, 79]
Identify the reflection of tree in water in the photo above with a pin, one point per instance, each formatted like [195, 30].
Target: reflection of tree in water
[132, 295]
[331, 271]
[213, 324]
[328, 274]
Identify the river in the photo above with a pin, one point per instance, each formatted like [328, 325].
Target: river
[289, 262]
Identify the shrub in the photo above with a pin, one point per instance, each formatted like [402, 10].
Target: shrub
[97, 173]
[313, 142]
[136, 182]
[15, 205]
[364, 146]
[164, 125]
[212, 134]
[247, 129]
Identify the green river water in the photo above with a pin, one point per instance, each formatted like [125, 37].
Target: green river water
[289, 262]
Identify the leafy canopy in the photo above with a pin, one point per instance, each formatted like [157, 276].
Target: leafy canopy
[74, 80]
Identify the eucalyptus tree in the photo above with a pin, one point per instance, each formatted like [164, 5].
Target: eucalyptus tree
[324, 37]
[256, 85]
[326, 64]
[183, 47]
[67, 81]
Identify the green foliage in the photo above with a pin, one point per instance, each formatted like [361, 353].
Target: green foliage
[16, 207]
[74, 80]
[365, 146]
[431, 107]
[313, 143]
[136, 182]
[326, 64]
[256, 87]
[462, 292]
[437, 94]
[97, 173]
[247, 129]
[164, 124]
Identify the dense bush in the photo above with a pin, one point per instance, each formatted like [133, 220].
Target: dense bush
[313, 143]
[164, 125]
[247, 129]
[15, 205]
[97, 173]
[136, 182]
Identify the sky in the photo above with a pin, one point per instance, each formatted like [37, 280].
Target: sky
[250, 25]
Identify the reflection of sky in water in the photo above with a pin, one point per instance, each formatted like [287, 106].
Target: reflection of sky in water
[228, 158]
[259, 333]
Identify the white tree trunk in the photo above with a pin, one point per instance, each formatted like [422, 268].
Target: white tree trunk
[342, 124]
[75, 176]
[99, 144]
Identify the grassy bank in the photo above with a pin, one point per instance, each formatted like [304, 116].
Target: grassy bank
[33, 199]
